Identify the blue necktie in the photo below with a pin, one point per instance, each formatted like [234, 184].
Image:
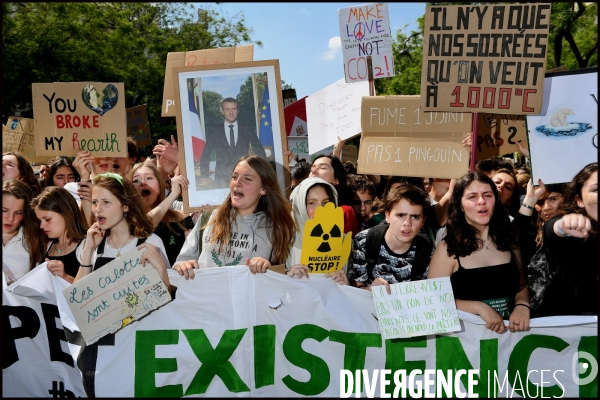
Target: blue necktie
[231, 138]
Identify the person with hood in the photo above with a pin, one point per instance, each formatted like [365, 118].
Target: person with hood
[311, 193]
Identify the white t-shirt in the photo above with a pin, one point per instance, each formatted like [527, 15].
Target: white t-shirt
[153, 239]
[15, 257]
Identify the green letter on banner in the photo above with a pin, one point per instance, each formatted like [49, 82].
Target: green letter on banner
[215, 361]
[147, 365]
[356, 347]
[521, 353]
[450, 355]
[316, 367]
[395, 356]
[264, 355]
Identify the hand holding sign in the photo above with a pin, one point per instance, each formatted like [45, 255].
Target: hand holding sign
[325, 248]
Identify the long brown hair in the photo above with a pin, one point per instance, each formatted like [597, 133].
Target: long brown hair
[26, 173]
[35, 242]
[171, 215]
[60, 201]
[575, 191]
[140, 225]
[280, 224]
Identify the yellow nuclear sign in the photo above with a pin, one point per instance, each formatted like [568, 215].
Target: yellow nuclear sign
[325, 247]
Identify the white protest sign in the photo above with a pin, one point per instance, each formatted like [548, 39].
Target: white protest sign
[365, 31]
[416, 308]
[564, 137]
[123, 285]
[334, 111]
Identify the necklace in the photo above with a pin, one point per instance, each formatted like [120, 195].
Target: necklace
[60, 250]
[487, 247]
[119, 250]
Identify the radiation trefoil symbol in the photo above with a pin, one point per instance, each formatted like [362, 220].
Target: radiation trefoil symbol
[325, 247]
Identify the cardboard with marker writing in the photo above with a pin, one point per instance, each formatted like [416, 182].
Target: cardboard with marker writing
[138, 127]
[198, 58]
[485, 58]
[325, 247]
[75, 116]
[115, 295]
[19, 135]
[498, 134]
[399, 138]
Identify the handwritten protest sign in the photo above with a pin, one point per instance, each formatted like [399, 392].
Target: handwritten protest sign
[299, 147]
[18, 135]
[365, 31]
[198, 57]
[138, 126]
[485, 58]
[498, 134]
[564, 137]
[114, 296]
[398, 138]
[334, 111]
[75, 116]
[325, 248]
[416, 308]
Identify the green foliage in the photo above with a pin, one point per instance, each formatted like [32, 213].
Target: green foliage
[575, 25]
[106, 42]
[211, 102]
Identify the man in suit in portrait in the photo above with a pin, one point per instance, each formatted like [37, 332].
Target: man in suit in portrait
[230, 140]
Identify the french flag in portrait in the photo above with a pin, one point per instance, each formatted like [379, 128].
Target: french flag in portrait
[198, 138]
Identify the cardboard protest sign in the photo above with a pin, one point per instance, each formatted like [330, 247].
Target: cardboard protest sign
[398, 138]
[365, 31]
[485, 58]
[198, 57]
[349, 153]
[498, 134]
[417, 308]
[75, 116]
[334, 112]
[564, 138]
[124, 285]
[19, 135]
[138, 126]
[325, 248]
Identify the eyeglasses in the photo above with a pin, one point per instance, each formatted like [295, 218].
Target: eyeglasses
[366, 203]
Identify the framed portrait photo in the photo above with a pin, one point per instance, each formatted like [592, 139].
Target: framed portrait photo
[225, 112]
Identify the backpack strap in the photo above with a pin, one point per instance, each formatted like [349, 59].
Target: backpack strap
[422, 257]
[373, 246]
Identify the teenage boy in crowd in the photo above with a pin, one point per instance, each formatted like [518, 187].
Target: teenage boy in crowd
[394, 252]
[363, 195]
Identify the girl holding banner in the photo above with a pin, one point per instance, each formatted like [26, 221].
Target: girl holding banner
[121, 225]
[63, 223]
[481, 255]
[253, 226]
[22, 246]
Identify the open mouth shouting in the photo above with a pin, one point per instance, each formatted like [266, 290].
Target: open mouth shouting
[145, 193]
[101, 220]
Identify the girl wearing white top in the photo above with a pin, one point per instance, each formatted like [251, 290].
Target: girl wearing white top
[22, 245]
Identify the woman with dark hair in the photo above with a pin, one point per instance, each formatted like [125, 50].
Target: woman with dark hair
[508, 189]
[480, 254]
[255, 213]
[63, 223]
[15, 166]
[61, 172]
[331, 170]
[22, 244]
[569, 286]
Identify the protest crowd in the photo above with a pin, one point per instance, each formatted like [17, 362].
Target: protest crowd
[514, 248]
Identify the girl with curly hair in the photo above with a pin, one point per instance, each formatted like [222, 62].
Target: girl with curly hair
[480, 254]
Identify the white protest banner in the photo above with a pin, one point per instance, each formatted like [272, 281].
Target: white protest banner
[416, 308]
[272, 335]
[36, 361]
[123, 285]
[365, 31]
[75, 116]
[564, 137]
[334, 112]
[485, 58]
